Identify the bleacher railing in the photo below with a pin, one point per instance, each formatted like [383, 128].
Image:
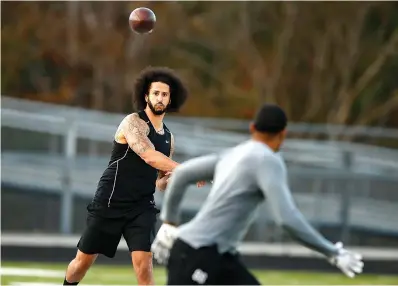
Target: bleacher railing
[315, 165]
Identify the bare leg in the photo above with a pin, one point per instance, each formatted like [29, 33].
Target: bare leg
[142, 263]
[79, 266]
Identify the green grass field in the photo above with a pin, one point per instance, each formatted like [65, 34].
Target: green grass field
[18, 274]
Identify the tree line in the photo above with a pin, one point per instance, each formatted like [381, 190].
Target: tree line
[324, 62]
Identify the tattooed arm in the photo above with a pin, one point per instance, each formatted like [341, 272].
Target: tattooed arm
[161, 182]
[135, 130]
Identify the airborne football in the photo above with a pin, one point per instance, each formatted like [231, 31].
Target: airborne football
[142, 20]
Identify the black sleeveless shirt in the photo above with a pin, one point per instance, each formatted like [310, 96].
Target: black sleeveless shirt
[128, 181]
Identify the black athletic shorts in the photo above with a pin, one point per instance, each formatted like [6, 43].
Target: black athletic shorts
[105, 227]
[189, 266]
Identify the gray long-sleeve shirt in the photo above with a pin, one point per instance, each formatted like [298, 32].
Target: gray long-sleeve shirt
[243, 177]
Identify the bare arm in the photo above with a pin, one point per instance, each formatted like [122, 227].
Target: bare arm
[135, 130]
[161, 181]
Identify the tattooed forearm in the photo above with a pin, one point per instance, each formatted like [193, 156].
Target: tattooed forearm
[136, 132]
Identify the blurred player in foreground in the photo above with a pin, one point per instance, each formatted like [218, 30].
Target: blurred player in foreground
[141, 157]
[203, 251]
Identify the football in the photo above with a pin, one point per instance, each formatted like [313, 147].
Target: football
[142, 20]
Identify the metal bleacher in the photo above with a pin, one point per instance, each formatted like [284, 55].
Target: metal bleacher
[321, 172]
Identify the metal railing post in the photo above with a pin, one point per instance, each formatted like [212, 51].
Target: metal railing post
[70, 142]
[346, 196]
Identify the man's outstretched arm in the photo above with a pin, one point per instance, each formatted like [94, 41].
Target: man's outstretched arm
[272, 180]
[191, 171]
[135, 130]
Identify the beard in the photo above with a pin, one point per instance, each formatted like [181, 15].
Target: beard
[158, 109]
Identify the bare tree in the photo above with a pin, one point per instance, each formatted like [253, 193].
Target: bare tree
[318, 60]
[350, 90]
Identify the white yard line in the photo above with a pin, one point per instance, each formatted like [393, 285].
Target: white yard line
[31, 272]
[32, 284]
[37, 272]
[42, 273]
[49, 284]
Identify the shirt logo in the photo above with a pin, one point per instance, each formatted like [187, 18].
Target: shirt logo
[167, 141]
[199, 276]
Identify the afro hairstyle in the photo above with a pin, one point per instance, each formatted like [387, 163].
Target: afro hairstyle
[178, 92]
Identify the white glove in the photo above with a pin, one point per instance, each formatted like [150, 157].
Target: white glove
[350, 263]
[163, 243]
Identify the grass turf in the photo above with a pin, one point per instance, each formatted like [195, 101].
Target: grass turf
[124, 275]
